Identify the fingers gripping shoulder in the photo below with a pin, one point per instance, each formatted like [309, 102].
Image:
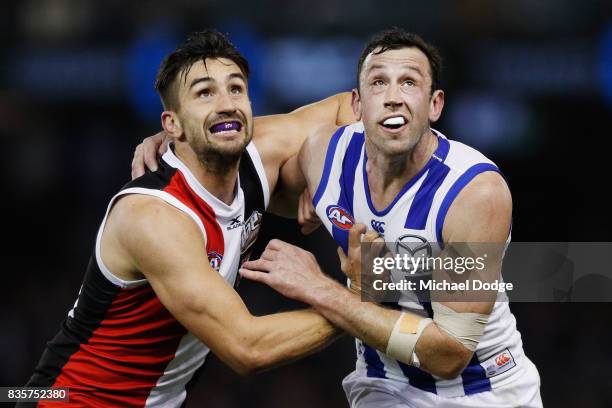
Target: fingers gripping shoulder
[148, 153]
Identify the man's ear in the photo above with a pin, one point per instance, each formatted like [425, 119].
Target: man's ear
[436, 104]
[356, 103]
[171, 124]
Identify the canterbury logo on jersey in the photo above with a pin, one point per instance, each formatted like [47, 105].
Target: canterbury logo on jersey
[378, 226]
[498, 363]
[340, 217]
[502, 359]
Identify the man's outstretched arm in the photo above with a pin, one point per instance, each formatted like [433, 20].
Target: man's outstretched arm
[146, 235]
[281, 134]
[278, 139]
[481, 213]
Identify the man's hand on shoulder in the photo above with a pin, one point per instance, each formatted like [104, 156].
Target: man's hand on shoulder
[148, 153]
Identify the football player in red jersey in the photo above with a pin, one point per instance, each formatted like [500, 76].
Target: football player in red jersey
[158, 293]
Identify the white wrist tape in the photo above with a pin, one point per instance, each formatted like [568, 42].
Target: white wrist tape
[405, 334]
[466, 328]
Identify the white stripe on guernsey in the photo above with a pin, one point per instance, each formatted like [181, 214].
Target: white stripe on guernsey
[256, 158]
[170, 388]
[331, 192]
[170, 199]
[450, 388]
[444, 388]
[221, 209]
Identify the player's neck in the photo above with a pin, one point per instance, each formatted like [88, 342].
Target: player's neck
[387, 174]
[219, 181]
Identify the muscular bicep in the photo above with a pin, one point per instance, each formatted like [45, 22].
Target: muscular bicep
[291, 182]
[333, 111]
[168, 248]
[481, 212]
[304, 169]
[345, 115]
[477, 225]
[279, 138]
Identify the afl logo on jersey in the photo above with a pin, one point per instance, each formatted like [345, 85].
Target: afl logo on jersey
[215, 259]
[340, 217]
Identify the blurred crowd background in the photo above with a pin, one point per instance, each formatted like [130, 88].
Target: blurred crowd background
[527, 82]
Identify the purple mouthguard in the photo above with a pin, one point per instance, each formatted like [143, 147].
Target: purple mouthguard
[225, 126]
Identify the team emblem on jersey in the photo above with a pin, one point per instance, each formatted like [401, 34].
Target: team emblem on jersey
[215, 259]
[340, 217]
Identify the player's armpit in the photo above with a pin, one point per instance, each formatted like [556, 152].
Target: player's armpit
[167, 247]
[278, 139]
[291, 183]
[313, 154]
[301, 171]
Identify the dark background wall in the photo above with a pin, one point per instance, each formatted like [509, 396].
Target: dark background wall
[528, 83]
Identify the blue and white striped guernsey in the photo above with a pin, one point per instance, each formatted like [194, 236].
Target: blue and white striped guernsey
[418, 210]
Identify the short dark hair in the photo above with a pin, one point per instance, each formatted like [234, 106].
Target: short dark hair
[198, 46]
[396, 38]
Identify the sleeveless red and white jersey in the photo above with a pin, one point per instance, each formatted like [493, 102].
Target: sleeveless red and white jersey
[119, 346]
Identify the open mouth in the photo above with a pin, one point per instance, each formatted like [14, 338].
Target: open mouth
[231, 126]
[394, 122]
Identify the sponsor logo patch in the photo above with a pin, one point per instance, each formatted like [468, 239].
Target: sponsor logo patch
[235, 223]
[502, 359]
[498, 363]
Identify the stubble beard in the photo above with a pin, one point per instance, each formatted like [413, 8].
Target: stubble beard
[218, 159]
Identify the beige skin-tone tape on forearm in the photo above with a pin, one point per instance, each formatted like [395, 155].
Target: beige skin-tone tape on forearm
[466, 328]
[405, 334]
